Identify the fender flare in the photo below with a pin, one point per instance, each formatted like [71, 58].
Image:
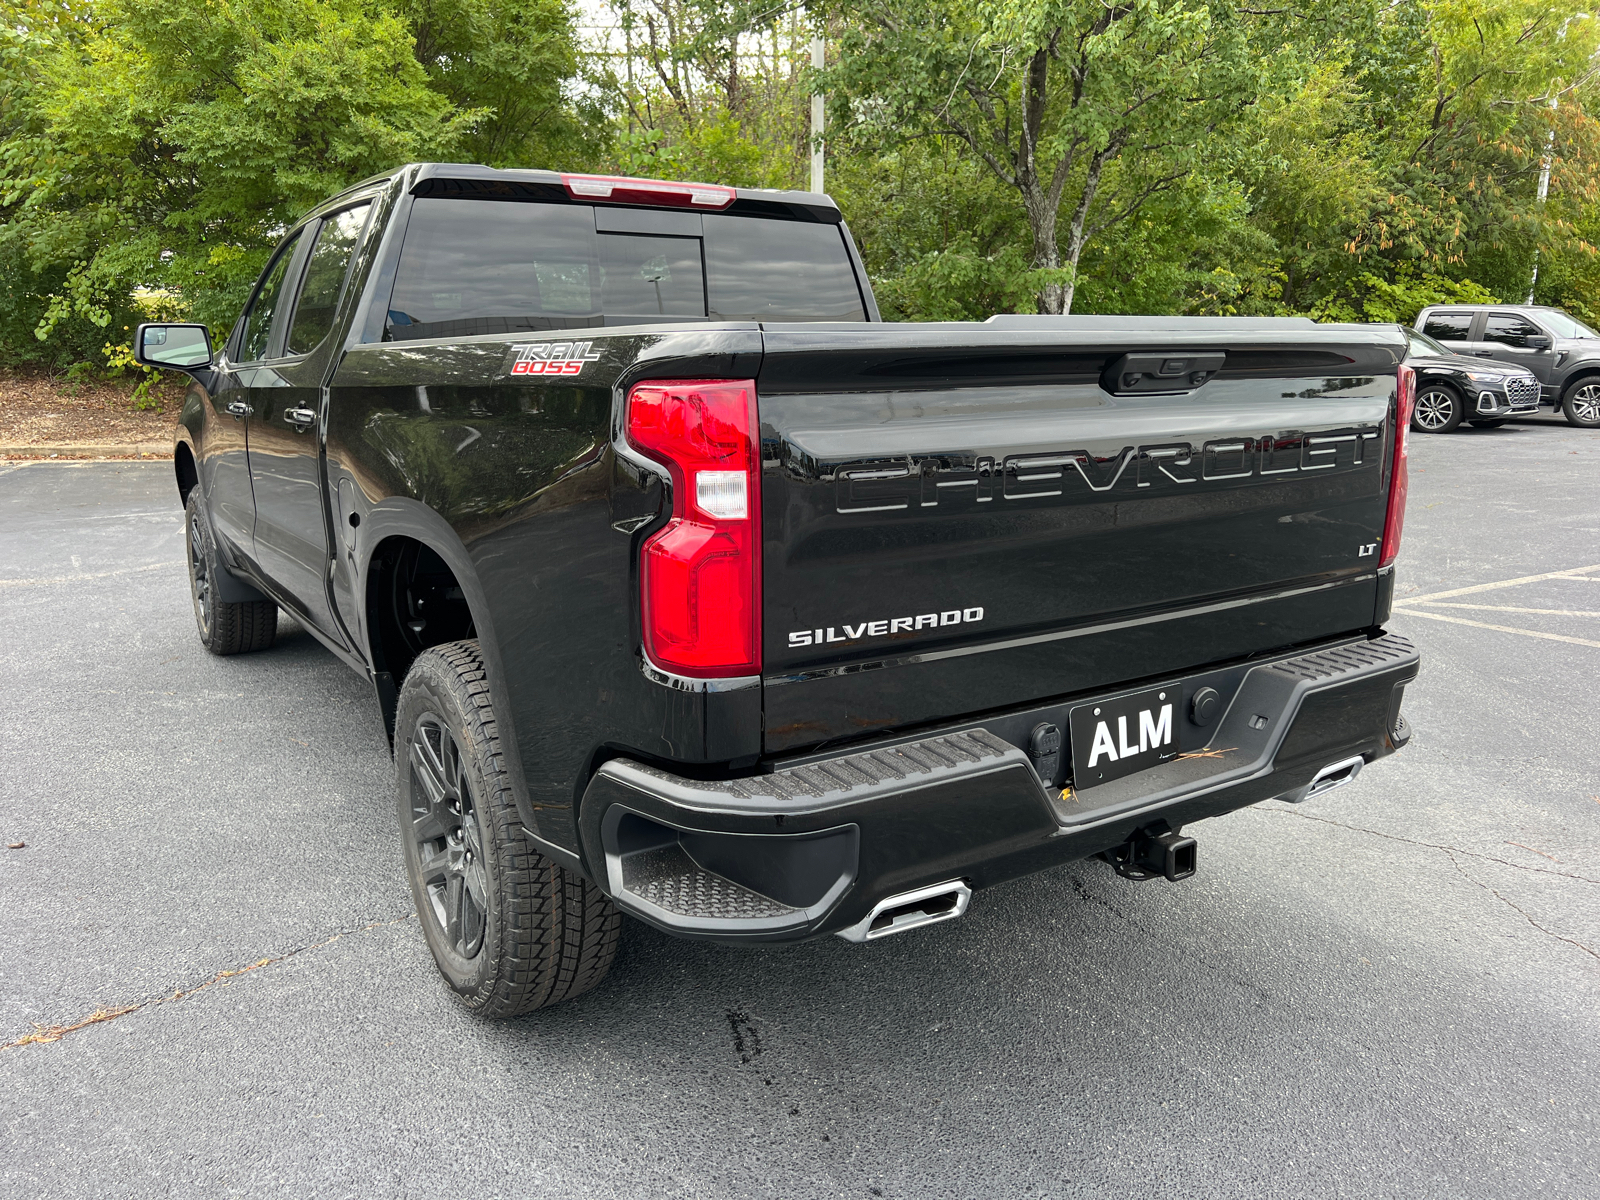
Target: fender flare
[1586, 369]
[401, 516]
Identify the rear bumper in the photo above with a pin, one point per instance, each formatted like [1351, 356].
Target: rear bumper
[810, 849]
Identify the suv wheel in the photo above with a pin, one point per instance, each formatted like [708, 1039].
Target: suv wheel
[1438, 409]
[1581, 404]
[224, 628]
[510, 930]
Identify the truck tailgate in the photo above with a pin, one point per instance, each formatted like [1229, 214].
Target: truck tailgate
[964, 517]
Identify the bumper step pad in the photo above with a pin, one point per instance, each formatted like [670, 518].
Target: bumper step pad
[671, 880]
[895, 764]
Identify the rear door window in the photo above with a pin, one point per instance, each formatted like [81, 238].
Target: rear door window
[483, 266]
[1449, 326]
[324, 279]
[1510, 330]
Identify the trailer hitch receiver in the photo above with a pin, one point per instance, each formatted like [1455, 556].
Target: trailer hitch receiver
[1155, 850]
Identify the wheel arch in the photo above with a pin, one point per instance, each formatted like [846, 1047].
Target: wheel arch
[395, 534]
[1580, 373]
[1438, 379]
[389, 532]
[185, 470]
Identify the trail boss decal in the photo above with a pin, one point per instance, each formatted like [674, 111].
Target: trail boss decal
[1113, 738]
[550, 358]
[888, 627]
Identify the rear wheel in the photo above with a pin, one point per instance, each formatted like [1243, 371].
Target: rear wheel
[510, 930]
[1581, 404]
[1438, 409]
[224, 628]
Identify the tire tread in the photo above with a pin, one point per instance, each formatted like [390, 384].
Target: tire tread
[559, 932]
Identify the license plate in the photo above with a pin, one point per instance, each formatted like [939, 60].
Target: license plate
[1113, 738]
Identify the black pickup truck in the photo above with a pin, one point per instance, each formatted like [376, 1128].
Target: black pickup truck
[689, 589]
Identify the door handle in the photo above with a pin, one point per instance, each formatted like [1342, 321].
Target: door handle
[238, 408]
[1484, 353]
[300, 418]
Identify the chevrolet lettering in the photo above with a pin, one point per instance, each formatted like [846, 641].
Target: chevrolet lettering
[923, 482]
[690, 591]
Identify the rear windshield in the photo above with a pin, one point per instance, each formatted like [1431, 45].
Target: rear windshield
[478, 266]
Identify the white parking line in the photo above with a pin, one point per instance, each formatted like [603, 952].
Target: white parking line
[1569, 573]
[1552, 612]
[1533, 633]
[53, 579]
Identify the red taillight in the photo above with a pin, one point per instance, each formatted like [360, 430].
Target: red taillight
[700, 577]
[1395, 523]
[623, 190]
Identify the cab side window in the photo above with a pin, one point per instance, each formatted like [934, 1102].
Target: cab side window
[324, 278]
[1448, 326]
[1510, 329]
[258, 321]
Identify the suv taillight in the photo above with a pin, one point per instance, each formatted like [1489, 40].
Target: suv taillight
[700, 577]
[1395, 522]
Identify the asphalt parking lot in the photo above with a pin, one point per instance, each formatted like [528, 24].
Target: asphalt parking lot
[1393, 990]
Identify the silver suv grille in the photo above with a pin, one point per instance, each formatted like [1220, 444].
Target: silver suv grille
[1522, 389]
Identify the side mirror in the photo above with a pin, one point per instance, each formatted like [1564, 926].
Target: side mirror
[1538, 341]
[175, 347]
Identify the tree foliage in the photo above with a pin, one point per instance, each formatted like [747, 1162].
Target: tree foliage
[160, 148]
[1349, 159]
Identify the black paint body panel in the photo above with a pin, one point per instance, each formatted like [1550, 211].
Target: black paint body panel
[937, 470]
[1158, 556]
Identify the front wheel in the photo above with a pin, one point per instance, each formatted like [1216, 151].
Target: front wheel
[509, 930]
[224, 628]
[1581, 404]
[1438, 409]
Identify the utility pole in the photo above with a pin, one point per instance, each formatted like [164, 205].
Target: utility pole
[818, 61]
[1549, 156]
[1544, 190]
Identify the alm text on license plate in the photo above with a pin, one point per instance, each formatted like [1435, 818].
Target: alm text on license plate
[1113, 738]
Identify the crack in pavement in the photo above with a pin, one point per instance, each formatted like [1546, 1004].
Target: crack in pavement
[1394, 837]
[1264, 996]
[1519, 909]
[44, 1034]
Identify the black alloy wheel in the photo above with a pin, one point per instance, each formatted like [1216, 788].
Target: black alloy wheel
[509, 929]
[225, 627]
[447, 839]
[1581, 405]
[200, 574]
[1437, 409]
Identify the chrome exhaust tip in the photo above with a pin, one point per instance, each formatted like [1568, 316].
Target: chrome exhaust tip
[911, 910]
[1332, 776]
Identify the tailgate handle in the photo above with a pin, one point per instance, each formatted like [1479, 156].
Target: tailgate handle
[1171, 373]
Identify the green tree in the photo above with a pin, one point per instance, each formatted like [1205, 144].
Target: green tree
[1049, 95]
[168, 147]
